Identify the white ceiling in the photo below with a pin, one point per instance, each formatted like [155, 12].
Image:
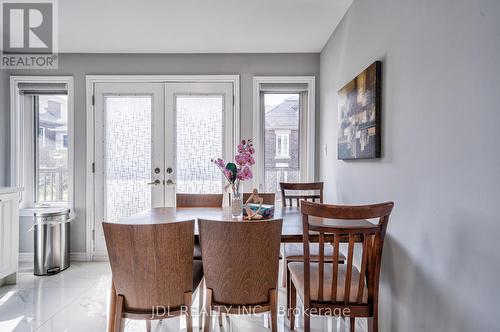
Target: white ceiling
[197, 26]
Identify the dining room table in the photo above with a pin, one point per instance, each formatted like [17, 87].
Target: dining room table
[292, 220]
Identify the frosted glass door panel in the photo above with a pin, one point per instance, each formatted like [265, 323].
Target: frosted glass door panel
[199, 138]
[127, 155]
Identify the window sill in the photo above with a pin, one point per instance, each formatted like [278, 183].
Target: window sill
[283, 157]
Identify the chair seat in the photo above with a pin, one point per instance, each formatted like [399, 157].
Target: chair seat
[294, 252]
[297, 277]
[197, 273]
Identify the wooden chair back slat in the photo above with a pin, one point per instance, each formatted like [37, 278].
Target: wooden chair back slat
[307, 267]
[369, 265]
[350, 255]
[336, 248]
[377, 246]
[151, 265]
[321, 262]
[362, 271]
[199, 200]
[372, 243]
[240, 259]
[311, 186]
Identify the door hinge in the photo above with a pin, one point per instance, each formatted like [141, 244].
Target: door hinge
[93, 167]
[233, 100]
[93, 100]
[93, 235]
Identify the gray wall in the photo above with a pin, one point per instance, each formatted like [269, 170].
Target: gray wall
[79, 65]
[441, 155]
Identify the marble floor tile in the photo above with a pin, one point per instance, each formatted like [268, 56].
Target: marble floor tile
[77, 299]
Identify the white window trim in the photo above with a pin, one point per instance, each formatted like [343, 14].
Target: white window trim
[91, 80]
[307, 130]
[17, 141]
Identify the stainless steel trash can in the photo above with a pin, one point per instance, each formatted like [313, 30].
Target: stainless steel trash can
[51, 241]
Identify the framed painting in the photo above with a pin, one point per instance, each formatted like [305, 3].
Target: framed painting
[359, 115]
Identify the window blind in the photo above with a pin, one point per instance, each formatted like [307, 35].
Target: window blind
[43, 88]
[283, 87]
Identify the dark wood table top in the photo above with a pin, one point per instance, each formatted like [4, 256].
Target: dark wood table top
[292, 219]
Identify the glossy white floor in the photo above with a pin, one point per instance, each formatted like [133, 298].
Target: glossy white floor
[77, 300]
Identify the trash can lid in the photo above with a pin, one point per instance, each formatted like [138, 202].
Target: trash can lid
[51, 212]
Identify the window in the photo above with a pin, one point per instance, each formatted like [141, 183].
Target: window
[281, 125]
[65, 141]
[283, 131]
[41, 135]
[281, 176]
[41, 141]
[282, 145]
[50, 159]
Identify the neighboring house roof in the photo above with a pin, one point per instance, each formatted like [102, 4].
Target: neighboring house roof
[284, 115]
[47, 117]
[49, 120]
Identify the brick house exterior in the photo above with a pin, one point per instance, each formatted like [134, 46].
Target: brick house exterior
[282, 144]
[52, 149]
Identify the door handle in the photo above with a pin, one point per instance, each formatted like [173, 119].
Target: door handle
[154, 183]
[170, 182]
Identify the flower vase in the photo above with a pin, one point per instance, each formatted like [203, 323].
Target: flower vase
[237, 205]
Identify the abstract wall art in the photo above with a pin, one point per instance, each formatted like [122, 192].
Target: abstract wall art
[359, 115]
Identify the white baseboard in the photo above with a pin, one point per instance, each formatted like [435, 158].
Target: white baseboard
[25, 257]
[28, 257]
[100, 257]
[78, 256]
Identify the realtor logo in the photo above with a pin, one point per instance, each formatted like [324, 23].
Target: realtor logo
[29, 34]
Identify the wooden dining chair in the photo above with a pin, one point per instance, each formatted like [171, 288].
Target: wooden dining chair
[342, 289]
[241, 262]
[292, 252]
[268, 198]
[199, 200]
[152, 267]
[297, 192]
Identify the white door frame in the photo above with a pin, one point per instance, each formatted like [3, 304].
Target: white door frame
[91, 80]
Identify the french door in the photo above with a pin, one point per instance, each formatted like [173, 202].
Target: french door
[153, 140]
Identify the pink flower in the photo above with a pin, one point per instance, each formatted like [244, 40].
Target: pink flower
[220, 162]
[243, 159]
[246, 173]
[240, 159]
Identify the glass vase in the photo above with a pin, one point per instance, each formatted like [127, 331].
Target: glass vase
[237, 205]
